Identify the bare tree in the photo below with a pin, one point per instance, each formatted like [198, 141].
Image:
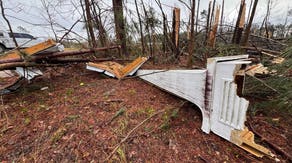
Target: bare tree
[89, 23]
[85, 22]
[46, 6]
[98, 23]
[148, 28]
[207, 22]
[197, 18]
[222, 17]
[192, 35]
[140, 28]
[266, 19]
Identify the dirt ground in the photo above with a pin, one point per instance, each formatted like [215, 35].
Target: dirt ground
[83, 115]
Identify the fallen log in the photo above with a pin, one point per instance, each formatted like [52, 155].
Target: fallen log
[78, 60]
[261, 50]
[57, 54]
[68, 60]
[55, 62]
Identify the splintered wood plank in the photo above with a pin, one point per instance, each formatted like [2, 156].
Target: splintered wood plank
[110, 68]
[131, 68]
[117, 70]
[15, 54]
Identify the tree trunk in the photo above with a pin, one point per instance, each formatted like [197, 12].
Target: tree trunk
[86, 23]
[99, 25]
[222, 17]
[241, 24]
[148, 29]
[192, 39]
[236, 30]
[175, 32]
[212, 13]
[197, 18]
[89, 23]
[120, 24]
[166, 41]
[247, 31]
[141, 28]
[249, 11]
[207, 23]
[213, 32]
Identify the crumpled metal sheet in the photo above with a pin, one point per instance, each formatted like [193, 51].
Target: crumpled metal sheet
[28, 73]
[215, 91]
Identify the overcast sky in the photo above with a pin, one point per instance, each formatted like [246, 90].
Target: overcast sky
[31, 15]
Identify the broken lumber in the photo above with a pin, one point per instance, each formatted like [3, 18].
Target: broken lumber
[13, 55]
[117, 70]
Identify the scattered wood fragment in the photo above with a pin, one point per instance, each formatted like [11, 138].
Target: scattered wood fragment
[256, 69]
[278, 60]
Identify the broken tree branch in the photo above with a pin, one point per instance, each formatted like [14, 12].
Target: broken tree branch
[53, 62]
[264, 83]
[70, 29]
[129, 134]
[261, 49]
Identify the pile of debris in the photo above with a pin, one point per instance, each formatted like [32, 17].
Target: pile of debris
[19, 65]
[215, 90]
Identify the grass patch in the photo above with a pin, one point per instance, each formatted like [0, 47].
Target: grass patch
[58, 135]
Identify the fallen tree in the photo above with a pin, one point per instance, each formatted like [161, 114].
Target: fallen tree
[47, 56]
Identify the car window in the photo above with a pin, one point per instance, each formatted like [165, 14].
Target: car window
[24, 35]
[21, 35]
[16, 35]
